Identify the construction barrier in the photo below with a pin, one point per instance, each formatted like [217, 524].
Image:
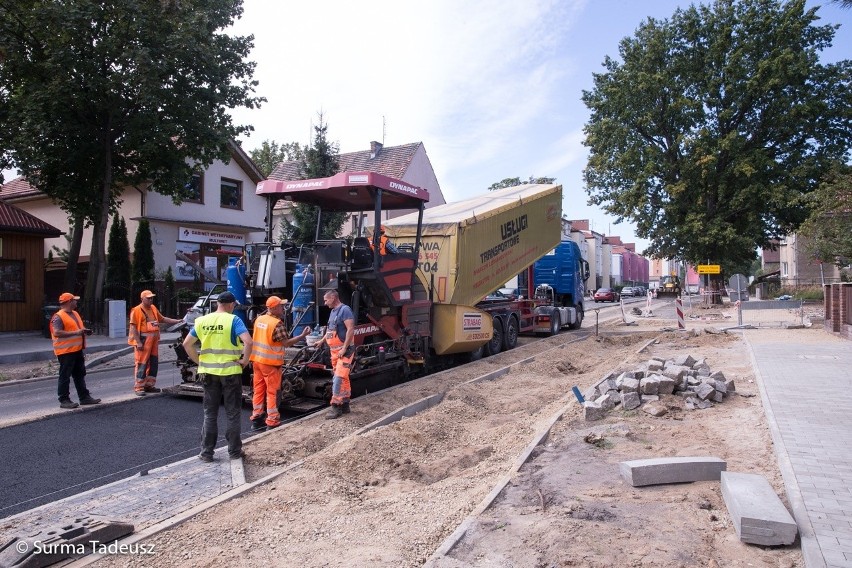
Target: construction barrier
[679, 308]
[770, 313]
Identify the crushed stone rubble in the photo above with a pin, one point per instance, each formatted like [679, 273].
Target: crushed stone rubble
[684, 376]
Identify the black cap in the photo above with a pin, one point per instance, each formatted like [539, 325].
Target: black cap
[226, 298]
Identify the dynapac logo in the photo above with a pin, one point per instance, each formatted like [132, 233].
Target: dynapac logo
[304, 184]
[405, 188]
[363, 330]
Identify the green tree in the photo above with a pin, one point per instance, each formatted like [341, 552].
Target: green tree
[512, 182]
[170, 300]
[143, 259]
[118, 261]
[714, 125]
[270, 154]
[828, 231]
[98, 96]
[320, 160]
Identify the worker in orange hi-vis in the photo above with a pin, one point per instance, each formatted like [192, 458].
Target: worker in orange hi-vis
[267, 356]
[385, 245]
[144, 334]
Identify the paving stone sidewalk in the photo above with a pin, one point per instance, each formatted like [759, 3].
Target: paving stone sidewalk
[807, 394]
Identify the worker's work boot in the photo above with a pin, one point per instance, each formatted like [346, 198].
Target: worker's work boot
[336, 411]
[345, 408]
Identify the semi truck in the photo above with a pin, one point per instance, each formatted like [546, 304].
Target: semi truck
[561, 274]
[470, 248]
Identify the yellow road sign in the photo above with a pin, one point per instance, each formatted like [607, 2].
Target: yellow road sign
[709, 269]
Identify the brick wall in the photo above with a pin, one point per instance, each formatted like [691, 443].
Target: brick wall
[838, 309]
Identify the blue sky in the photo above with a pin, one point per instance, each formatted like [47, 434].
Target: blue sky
[491, 87]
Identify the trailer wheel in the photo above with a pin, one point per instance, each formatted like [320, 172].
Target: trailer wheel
[579, 322]
[494, 346]
[510, 338]
[555, 322]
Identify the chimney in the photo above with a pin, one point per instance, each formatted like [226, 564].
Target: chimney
[375, 148]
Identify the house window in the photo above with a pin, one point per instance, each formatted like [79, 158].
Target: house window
[784, 269]
[195, 189]
[232, 194]
[12, 281]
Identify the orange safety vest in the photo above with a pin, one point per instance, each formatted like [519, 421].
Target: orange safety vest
[383, 245]
[63, 345]
[149, 327]
[263, 348]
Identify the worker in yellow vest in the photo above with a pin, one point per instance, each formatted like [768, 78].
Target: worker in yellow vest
[225, 349]
[267, 357]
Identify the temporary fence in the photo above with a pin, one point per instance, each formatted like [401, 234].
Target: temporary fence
[770, 313]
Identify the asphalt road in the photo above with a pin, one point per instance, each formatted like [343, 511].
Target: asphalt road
[69, 453]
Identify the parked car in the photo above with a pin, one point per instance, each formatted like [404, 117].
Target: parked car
[606, 295]
[628, 292]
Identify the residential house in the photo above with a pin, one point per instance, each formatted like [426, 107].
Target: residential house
[798, 267]
[628, 268]
[598, 257]
[408, 163]
[21, 268]
[210, 227]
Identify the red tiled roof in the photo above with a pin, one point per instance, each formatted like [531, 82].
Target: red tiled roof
[18, 187]
[391, 161]
[14, 220]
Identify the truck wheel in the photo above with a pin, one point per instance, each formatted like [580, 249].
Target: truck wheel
[494, 346]
[555, 322]
[579, 322]
[510, 338]
[473, 355]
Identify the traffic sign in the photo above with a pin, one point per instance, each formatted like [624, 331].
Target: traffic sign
[709, 269]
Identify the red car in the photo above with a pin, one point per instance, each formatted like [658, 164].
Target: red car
[606, 295]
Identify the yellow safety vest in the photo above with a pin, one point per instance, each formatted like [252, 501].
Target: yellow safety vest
[218, 355]
[263, 349]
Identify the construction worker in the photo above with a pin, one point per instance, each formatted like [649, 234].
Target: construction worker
[340, 337]
[225, 349]
[144, 334]
[267, 357]
[385, 246]
[69, 339]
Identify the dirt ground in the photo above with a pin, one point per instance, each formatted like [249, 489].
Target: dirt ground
[391, 496]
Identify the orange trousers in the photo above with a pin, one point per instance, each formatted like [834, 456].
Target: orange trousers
[267, 383]
[147, 360]
[341, 389]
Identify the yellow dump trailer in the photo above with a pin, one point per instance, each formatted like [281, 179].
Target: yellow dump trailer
[472, 247]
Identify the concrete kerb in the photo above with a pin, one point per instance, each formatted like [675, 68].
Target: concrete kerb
[90, 364]
[451, 541]
[810, 547]
[399, 414]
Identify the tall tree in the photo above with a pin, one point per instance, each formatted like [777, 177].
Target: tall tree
[143, 258]
[715, 124]
[828, 231]
[118, 272]
[97, 96]
[320, 160]
[270, 154]
[512, 182]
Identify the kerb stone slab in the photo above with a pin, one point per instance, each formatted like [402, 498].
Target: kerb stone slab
[758, 514]
[656, 471]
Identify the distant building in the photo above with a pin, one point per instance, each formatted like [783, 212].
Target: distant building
[408, 163]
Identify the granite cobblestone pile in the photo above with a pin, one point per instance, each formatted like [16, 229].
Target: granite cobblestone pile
[684, 376]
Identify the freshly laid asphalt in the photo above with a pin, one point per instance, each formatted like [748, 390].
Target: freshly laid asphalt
[807, 397]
